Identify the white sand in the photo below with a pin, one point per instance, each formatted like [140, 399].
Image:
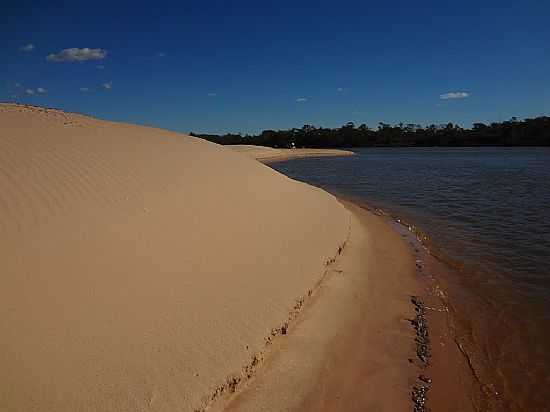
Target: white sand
[143, 268]
[270, 154]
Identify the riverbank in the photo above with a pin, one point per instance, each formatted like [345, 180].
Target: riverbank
[484, 214]
[351, 347]
[445, 369]
[422, 365]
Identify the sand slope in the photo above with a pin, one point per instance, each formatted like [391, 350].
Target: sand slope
[270, 154]
[349, 349]
[141, 268]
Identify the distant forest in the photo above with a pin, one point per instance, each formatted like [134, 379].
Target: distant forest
[528, 132]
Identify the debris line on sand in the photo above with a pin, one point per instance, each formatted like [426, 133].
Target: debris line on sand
[420, 389]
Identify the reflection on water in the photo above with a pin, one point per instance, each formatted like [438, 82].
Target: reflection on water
[489, 209]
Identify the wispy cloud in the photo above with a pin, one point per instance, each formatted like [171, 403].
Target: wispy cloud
[340, 89]
[301, 99]
[454, 95]
[27, 48]
[17, 85]
[39, 90]
[107, 86]
[212, 94]
[100, 67]
[161, 54]
[84, 89]
[77, 55]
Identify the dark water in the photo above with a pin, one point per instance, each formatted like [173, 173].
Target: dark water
[488, 212]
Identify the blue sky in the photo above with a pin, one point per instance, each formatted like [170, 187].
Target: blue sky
[243, 66]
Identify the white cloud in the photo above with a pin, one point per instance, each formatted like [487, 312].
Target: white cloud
[108, 85]
[160, 54]
[100, 67]
[39, 90]
[301, 99]
[340, 89]
[454, 95]
[212, 94]
[77, 55]
[84, 89]
[27, 48]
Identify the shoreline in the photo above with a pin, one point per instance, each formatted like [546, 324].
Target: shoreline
[453, 381]
[351, 347]
[443, 365]
[269, 155]
[426, 369]
[436, 365]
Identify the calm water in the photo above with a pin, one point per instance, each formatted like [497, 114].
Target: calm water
[489, 211]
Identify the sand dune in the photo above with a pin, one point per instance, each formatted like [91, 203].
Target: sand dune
[143, 269]
[270, 154]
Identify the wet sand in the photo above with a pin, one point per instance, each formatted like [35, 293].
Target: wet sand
[453, 385]
[349, 350]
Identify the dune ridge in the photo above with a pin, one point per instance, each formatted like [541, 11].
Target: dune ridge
[143, 269]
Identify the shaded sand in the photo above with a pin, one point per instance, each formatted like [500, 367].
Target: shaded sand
[350, 350]
[142, 270]
[270, 154]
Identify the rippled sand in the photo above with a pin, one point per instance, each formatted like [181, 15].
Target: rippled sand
[143, 269]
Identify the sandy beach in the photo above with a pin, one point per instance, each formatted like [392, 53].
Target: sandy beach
[146, 270]
[269, 154]
[349, 351]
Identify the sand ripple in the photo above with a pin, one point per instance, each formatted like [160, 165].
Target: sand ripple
[141, 268]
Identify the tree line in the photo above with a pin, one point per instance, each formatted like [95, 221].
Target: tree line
[528, 132]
